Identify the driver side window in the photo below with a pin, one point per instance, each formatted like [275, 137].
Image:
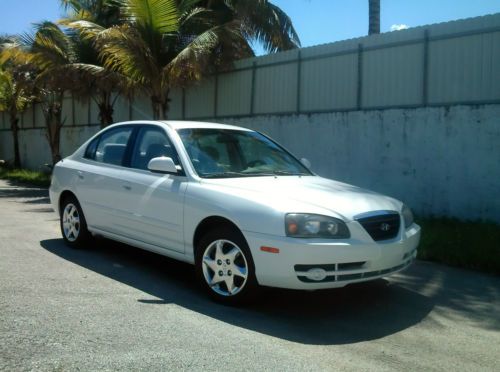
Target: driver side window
[151, 143]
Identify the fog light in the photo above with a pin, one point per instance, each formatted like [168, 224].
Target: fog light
[316, 274]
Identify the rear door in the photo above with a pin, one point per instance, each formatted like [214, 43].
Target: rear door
[100, 186]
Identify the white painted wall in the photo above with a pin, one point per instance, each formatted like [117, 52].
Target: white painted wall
[440, 161]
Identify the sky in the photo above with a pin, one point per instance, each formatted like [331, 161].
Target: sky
[316, 21]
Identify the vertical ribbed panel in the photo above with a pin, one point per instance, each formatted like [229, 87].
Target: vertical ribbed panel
[141, 108]
[276, 89]
[465, 69]
[81, 113]
[175, 111]
[327, 83]
[393, 76]
[233, 93]
[200, 100]
[121, 111]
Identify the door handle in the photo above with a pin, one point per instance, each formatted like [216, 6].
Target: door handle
[127, 187]
[80, 175]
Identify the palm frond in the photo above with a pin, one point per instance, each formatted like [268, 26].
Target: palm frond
[89, 30]
[102, 12]
[205, 52]
[158, 16]
[186, 5]
[266, 23]
[122, 49]
[49, 46]
[16, 53]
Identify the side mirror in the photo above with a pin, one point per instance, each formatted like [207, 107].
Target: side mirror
[306, 163]
[162, 165]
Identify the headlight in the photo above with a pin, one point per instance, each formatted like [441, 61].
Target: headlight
[407, 216]
[300, 225]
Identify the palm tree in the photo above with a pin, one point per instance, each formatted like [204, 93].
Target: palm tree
[101, 82]
[52, 53]
[164, 44]
[374, 17]
[15, 97]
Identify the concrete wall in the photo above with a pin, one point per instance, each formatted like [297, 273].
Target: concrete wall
[440, 161]
[35, 151]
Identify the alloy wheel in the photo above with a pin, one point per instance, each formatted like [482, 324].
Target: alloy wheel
[71, 222]
[225, 267]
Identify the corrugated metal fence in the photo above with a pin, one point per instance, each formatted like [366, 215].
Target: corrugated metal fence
[444, 64]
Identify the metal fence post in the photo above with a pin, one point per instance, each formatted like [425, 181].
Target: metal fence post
[216, 92]
[359, 87]
[183, 104]
[252, 87]
[130, 108]
[299, 77]
[73, 108]
[425, 72]
[89, 113]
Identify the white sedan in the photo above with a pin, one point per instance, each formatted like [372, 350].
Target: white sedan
[232, 202]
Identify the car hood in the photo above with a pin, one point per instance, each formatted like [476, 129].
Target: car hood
[307, 194]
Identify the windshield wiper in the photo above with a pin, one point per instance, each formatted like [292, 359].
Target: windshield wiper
[227, 175]
[252, 174]
[280, 173]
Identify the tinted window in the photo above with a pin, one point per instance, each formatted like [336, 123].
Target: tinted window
[90, 150]
[235, 153]
[151, 143]
[111, 146]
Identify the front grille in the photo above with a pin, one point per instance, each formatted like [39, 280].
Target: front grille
[383, 226]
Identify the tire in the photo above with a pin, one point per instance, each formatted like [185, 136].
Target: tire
[73, 224]
[224, 259]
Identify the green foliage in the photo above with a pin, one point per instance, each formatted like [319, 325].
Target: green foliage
[474, 245]
[26, 176]
[164, 44]
[13, 97]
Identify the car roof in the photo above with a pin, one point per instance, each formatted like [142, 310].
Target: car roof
[178, 124]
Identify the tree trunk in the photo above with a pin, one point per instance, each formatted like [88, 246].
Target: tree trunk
[155, 105]
[374, 17]
[105, 109]
[160, 106]
[14, 121]
[53, 124]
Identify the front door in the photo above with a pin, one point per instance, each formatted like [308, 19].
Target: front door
[158, 200]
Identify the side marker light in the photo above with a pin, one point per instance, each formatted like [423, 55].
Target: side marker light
[270, 249]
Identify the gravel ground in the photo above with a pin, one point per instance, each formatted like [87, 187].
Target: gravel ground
[113, 307]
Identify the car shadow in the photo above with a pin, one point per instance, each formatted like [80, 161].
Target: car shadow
[29, 194]
[347, 315]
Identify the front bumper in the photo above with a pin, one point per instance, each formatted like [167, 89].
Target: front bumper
[320, 264]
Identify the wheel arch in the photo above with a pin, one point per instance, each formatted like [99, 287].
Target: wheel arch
[65, 194]
[212, 222]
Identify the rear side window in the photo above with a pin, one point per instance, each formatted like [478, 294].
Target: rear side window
[110, 147]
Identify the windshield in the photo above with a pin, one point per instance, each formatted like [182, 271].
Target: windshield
[222, 153]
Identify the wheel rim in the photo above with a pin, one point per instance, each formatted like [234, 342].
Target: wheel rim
[71, 222]
[225, 267]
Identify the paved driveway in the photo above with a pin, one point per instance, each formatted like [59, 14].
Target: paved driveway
[114, 307]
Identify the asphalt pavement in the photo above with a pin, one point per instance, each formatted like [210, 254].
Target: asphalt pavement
[114, 307]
